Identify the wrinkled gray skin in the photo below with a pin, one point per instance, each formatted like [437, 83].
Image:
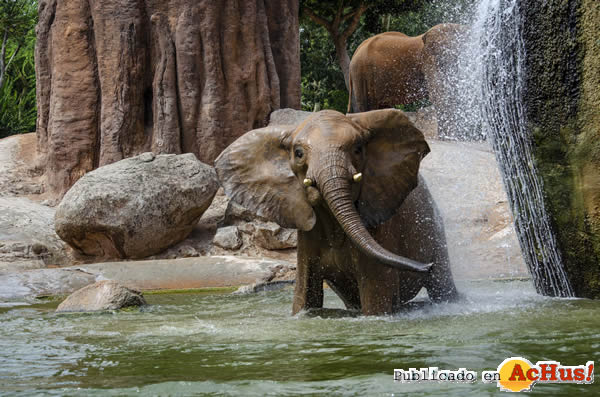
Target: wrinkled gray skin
[375, 249]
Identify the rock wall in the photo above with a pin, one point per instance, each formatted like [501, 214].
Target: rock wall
[563, 110]
[120, 77]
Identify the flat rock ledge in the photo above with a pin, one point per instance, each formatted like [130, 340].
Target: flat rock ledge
[102, 296]
[187, 273]
[263, 287]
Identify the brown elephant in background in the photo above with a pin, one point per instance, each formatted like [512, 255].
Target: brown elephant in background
[392, 69]
[340, 180]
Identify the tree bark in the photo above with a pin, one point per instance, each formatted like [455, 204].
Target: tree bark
[4, 65]
[338, 35]
[2, 56]
[341, 51]
[120, 77]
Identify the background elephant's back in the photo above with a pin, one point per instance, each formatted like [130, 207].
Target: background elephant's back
[388, 45]
[387, 69]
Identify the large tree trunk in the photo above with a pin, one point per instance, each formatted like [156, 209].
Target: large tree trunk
[120, 77]
[341, 51]
[563, 111]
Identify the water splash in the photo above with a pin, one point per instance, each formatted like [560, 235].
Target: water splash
[498, 52]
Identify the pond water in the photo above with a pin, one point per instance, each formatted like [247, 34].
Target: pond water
[221, 344]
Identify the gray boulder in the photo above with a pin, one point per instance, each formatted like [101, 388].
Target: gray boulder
[27, 236]
[271, 236]
[103, 295]
[228, 238]
[136, 207]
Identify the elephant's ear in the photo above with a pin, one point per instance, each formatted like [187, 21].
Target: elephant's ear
[255, 173]
[394, 150]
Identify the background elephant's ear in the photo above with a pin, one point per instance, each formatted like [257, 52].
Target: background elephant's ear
[255, 173]
[395, 149]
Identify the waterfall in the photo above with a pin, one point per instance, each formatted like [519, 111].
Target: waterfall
[497, 53]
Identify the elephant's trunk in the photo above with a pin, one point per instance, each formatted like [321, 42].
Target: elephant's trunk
[334, 182]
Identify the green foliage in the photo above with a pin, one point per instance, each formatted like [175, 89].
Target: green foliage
[328, 8]
[400, 16]
[322, 79]
[414, 22]
[18, 111]
[16, 17]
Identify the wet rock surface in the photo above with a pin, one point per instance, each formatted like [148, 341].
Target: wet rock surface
[100, 296]
[42, 282]
[465, 182]
[562, 105]
[263, 287]
[136, 207]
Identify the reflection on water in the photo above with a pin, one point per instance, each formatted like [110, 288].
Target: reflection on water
[251, 345]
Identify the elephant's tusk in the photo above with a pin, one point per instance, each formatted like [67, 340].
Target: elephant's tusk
[357, 177]
[308, 182]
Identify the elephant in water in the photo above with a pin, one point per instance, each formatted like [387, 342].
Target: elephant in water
[340, 179]
[392, 69]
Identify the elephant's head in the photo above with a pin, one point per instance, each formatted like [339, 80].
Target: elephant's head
[361, 166]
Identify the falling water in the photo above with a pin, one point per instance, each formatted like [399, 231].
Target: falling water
[498, 55]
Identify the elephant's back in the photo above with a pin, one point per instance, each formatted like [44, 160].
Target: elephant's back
[386, 70]
[379, 37]
[389, 43]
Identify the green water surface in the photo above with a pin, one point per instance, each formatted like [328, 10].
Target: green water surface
[222, 344]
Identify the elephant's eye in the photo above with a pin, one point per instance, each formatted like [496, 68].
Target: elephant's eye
[299, 153]
[357, 150]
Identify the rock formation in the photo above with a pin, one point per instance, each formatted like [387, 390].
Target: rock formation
[271, 236]
[228, 238]
[120, 77]
[27, 236]
[563, 110]
[103, 295]
[136, 207]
